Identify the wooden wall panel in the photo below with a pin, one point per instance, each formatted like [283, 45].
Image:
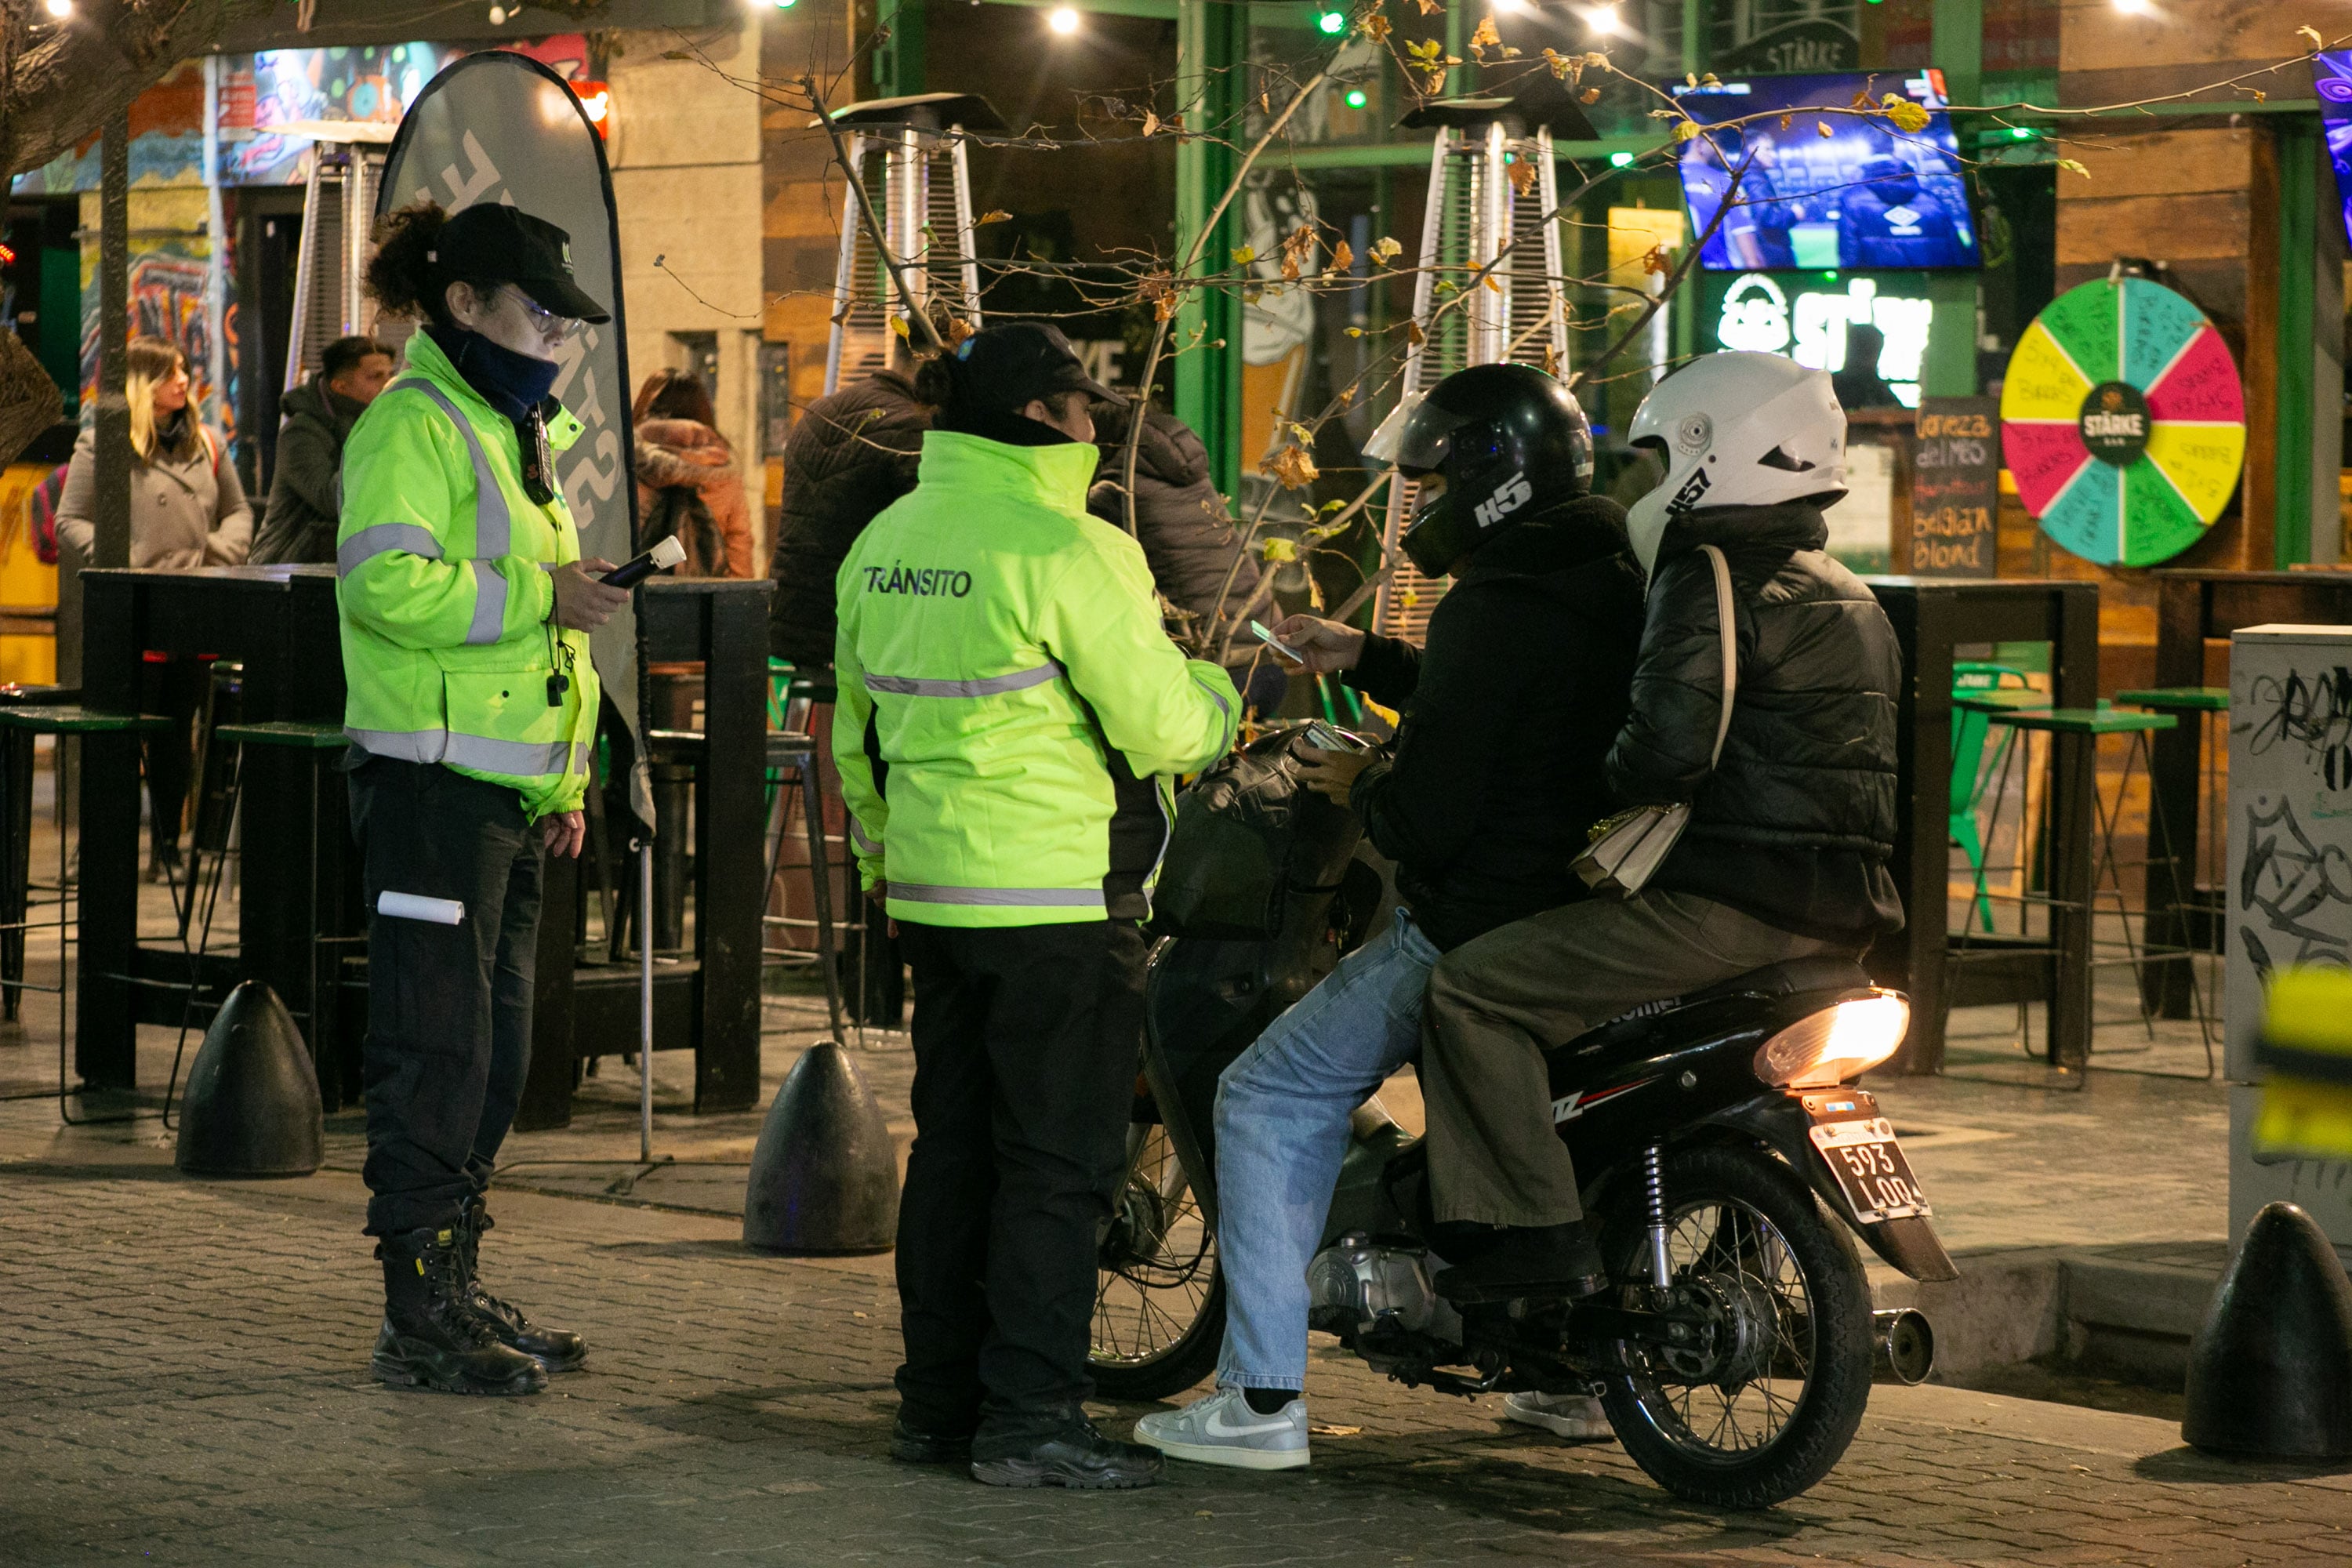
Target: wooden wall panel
[2107, 56]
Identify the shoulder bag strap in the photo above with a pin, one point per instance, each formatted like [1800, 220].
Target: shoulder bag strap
[1730, 634]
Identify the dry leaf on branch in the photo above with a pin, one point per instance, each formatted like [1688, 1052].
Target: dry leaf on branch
[1550, 360]
[1414, 335]
[1342, 256]
[1385, 250]
[1150, 122]
[1375, 28]
[1824, 127]
[2072, 167]
[1296, 249]
[1430, 7]
[1590, 95]
[958, 330]
[1904, 115]
[1484, 36]
[2311, 33]
[1493, 284]
[1245, 254]
[1658, 261]
[1559, 64]
[1523, 177]
[993, 215]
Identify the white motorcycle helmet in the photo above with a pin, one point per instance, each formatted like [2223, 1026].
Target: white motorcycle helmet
[1736, 429]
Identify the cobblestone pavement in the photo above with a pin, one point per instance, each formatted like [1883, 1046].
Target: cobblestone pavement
[182, 1372]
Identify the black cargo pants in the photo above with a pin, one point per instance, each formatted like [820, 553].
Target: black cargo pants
[1027, 1039]
[448, 1035]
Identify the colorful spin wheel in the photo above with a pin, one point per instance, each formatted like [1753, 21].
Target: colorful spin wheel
[2123, 421]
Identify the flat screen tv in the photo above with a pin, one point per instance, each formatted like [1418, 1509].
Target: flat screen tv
[1866, 195]
[2332, 77]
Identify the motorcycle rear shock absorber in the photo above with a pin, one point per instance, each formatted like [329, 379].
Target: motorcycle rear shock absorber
[1654, 1181]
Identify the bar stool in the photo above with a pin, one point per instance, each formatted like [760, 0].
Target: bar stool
[2192, 905]
[865, 939]
[794, 752]
[20, 726]
[323, 747]
[2082, 726]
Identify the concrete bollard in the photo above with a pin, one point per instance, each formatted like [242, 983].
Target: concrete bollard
[824, 1175]
[252, 1103]
[2270, 1372]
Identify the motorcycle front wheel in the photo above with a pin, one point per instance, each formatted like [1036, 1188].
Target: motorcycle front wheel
[1159, 1301]
[1768, 1404]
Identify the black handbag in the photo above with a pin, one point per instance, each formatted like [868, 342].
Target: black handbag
[1248, 838]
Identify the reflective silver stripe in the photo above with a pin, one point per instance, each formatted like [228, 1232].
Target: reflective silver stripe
[522, 759]
[1223, 707]
[493, 523]
[993, 686]
[401, 745]
[863, 843]
[489, 603]
[1027, 897]
[382, 538]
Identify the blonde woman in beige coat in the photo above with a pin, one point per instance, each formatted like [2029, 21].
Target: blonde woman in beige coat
[187, 509]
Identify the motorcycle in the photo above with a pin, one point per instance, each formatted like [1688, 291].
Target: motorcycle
[1727, 1156]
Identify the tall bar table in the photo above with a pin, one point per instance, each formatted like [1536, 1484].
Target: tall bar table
[279, 623]
[1931, 618]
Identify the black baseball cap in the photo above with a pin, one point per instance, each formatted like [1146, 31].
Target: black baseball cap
[1006, 366]
[498, 244]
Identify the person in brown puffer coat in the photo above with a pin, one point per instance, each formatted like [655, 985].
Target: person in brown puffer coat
[853, 453]
[688, 483]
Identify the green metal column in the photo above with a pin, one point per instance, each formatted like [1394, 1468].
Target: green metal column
[1211, 89]
[2298, 184]
[1683, 310]
[898, 59]
[1957, 50]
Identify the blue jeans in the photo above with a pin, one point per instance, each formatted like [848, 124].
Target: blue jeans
[1282, 1130]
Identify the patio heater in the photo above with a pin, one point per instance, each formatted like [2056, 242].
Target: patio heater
[1492, 185]
[347, 160]
[909, 154]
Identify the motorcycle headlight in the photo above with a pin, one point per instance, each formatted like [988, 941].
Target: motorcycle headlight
[1836, 1043]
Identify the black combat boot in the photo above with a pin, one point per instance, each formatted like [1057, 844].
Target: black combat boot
[432, 1337]
[557, 1350]
[1057, 1445]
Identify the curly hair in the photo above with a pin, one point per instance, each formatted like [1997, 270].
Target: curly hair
[404, 277]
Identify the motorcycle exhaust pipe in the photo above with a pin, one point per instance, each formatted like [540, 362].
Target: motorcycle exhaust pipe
[1902, 1345]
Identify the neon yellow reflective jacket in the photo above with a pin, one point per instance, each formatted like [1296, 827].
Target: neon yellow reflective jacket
[1010, 710]
[442, 564]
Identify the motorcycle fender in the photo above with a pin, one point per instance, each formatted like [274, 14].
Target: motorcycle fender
[1909, 1244]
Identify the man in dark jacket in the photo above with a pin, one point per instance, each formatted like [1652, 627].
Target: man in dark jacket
[1186, 533]
[1785, 854]
[853, 453]
[306, 492]
[1494, 778]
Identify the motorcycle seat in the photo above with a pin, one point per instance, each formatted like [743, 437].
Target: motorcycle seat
[1823, 972]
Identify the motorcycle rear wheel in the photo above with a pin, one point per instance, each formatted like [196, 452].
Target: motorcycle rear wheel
[1159, 1298]
[1778, 1414]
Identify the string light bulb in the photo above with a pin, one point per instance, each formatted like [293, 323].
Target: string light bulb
[60, 9]
[1063, 19]
[1604, 21]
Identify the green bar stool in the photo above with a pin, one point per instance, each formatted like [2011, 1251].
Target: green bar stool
[20, 726]
[2194, 897]
[2089, 724]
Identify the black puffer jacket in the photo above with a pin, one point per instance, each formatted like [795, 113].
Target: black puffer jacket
[1180, 518]
[306, 492]
[852, 454]
[1507, 715]
[1795, 824]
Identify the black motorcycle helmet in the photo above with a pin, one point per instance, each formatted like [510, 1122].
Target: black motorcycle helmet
[1502, 435]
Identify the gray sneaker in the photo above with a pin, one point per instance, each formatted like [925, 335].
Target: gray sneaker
[1223, 1430]
[1578, 1417]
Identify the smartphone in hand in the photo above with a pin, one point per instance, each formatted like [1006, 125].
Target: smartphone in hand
[1257, 629]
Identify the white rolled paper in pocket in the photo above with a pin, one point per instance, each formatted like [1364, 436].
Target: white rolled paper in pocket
[411, 907]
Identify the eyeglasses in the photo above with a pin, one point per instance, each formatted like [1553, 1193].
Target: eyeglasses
[545, 320]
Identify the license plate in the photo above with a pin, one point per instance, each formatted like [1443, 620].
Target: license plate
[1868, 1163]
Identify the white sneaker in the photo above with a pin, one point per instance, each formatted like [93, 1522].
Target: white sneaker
[1223, 1430]
[1578, 1417]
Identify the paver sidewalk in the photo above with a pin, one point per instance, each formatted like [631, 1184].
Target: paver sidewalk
[183, 1377]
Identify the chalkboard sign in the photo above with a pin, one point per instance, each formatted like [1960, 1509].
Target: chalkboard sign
[1955, 488]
